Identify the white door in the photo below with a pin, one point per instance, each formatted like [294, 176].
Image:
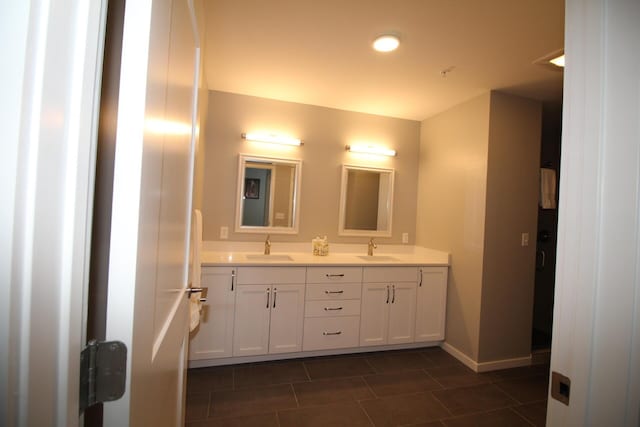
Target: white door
[374, 314]
[431, 303]
[153, 170]
[49, 81]
[287, 318]
[251, 325]
[402, 313]
[214, 336]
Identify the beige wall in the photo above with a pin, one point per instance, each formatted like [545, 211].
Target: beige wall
[512, 209]
[203, 103]
[325, 132]
[478, 191]
[451, 209]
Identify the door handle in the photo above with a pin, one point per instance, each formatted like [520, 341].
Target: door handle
[233, 277]
[420, 284]
[268, 290]
[393, 300]
[275, 293]
[203, 293]
[387, 294]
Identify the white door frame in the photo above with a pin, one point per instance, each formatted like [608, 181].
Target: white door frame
[596, 333]
[50, 84]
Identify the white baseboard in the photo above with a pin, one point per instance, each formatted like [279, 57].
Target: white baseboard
[466, 360]
[493, 365]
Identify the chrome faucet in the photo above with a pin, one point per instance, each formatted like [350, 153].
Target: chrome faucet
[267, 245]
[371, 247]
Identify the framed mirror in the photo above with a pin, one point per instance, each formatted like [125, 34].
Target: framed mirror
[366, 201]
[268, 195]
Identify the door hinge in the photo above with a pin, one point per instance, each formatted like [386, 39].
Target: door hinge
[103, 371]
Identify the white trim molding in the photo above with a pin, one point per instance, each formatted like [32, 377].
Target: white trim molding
[493, 365]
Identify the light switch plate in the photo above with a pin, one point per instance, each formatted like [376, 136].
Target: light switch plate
[525, 239]
[224, 233]
[405, 237]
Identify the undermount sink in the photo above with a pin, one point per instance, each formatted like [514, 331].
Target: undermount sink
[374, 258]
[263, 257]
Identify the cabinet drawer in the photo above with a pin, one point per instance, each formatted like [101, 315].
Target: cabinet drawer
[389, 274]
[270, 275]
[334, 274]
[322, 333]
[317, 291]
[349, 307]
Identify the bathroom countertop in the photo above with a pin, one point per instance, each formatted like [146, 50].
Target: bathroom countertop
[422, 256]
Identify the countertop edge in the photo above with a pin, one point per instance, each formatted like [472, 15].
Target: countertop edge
[219, 259]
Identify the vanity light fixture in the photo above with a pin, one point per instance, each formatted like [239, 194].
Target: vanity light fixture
[371, 149]
[386, 43]
[271, 138]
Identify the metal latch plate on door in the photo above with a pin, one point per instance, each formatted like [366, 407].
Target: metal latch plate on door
[103, 370]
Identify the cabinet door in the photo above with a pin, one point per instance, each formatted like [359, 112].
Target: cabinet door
[374, 313]
[214, 336]
[431, 304]
[251, 325]
[402, 313]
[287, 317]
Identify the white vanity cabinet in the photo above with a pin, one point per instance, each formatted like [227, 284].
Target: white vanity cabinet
[214, 336]
[332, 308]
[269, 310]
[388, 310]
[431, 303]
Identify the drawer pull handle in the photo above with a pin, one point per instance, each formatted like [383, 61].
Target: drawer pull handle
[335, 275]
[332, 333]
[332, 308]
[333, 292]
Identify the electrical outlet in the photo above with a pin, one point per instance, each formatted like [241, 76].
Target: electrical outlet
[224, 233]
[525, 239]
[405, 237]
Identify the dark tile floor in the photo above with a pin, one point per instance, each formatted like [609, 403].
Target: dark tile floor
[422, 387]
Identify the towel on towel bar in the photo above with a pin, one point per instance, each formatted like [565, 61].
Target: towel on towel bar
[547, 188]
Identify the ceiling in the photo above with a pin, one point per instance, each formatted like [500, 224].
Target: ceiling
[319, 52]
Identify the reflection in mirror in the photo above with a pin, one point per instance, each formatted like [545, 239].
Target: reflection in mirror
[268, 194]
[366, 201]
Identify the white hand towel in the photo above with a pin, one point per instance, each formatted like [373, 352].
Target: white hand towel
[195, 306]
[547, 188]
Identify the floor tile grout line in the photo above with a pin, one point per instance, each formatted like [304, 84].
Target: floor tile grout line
[306, 371]
[365, 412]
[364, 380]
[295, 395]
[512, 409]
[446, 408]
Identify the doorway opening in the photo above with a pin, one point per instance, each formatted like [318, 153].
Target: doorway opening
[546, 241]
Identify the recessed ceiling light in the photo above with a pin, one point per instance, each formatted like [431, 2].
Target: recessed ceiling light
[558, 61]
[386, 43]
[552, 61]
